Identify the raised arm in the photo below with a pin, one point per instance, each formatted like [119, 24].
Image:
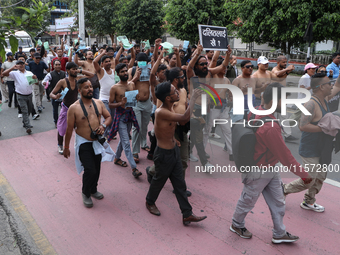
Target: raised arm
[178, 59]
[133, 58]
[224, 65]
[213, 62]
[119, 53]
[70, 55]
[77, 61]
[155, 50]
[190, 69]
[52, 51]
[96, 62]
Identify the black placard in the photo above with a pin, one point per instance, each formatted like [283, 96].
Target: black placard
[213, 38]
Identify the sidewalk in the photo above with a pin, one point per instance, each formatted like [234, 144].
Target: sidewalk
[50, 205]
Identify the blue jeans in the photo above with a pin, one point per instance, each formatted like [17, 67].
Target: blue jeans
[257, 102]
[124, 142]
[96, 93]
[112, 111]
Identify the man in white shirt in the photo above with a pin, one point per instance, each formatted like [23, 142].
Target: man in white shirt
[23, 90]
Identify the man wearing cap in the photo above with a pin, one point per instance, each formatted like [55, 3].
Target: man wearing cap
[23, 90]
[19, 53]
[37, 67]
[9, 81]
[263, 78]
[335, 65]
[142, 110]
[304, 82]
[309, 148]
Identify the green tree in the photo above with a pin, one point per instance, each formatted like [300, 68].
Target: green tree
[278, 22]
[99, 16]
[29, 21]
[183, 16]
[140, 19]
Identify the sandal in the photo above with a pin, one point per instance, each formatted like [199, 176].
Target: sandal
[136, 173]
[119, 162]
[147, 148]
[136, 158]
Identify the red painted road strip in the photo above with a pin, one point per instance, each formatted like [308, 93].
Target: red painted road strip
[50, 188]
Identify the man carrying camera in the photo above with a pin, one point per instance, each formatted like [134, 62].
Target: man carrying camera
[90, 147]
[68, 84]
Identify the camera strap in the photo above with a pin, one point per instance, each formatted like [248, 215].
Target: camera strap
[85, 112]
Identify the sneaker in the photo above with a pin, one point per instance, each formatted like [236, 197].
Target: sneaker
[28, 131]
[60, 149]
[87, 201]
[290, 138]
[35, 116]
[207, 155]
[242, 232]
[214, 135]
[193, 158]
[208, 166]
[314, 207]
[39, 109]
[287, 238]
[20, 115]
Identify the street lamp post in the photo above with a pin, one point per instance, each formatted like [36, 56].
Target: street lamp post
[81, 19]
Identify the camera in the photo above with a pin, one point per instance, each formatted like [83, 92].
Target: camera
[95, 136]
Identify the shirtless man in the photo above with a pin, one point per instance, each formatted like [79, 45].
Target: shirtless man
[176, 77]
[106, 77]
[263, 78]
[279, 74]
[88, 150]
[157, 75]
[71, 96]
[88, 66]
[123, 119]
[281, 71]
[167, 154]
[142, 110]
[220, 111]
[198, 65]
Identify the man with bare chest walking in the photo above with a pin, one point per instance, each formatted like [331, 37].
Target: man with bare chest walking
[167, 156]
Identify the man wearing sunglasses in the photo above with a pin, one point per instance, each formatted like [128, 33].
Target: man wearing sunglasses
[245, 81]
[309, 149]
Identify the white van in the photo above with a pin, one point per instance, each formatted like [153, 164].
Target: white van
[24, 41]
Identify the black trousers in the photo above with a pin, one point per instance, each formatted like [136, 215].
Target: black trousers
[91, 163]
[168, 164]
[56, 104]
[196, 139]
[11, 92]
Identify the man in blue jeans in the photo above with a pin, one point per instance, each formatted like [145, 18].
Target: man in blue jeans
[123, 119]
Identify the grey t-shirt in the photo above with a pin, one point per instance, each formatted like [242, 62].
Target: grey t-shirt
[8, 65]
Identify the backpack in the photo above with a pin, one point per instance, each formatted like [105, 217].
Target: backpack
[244, 141]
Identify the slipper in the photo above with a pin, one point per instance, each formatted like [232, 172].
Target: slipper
[136, 173]
[136, 158]
[119, 162]
[147, 148]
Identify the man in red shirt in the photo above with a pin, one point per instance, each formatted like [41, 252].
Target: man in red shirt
[63, 60]
[271, 145]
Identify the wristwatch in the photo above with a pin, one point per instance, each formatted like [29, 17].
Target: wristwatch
[104, 126]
